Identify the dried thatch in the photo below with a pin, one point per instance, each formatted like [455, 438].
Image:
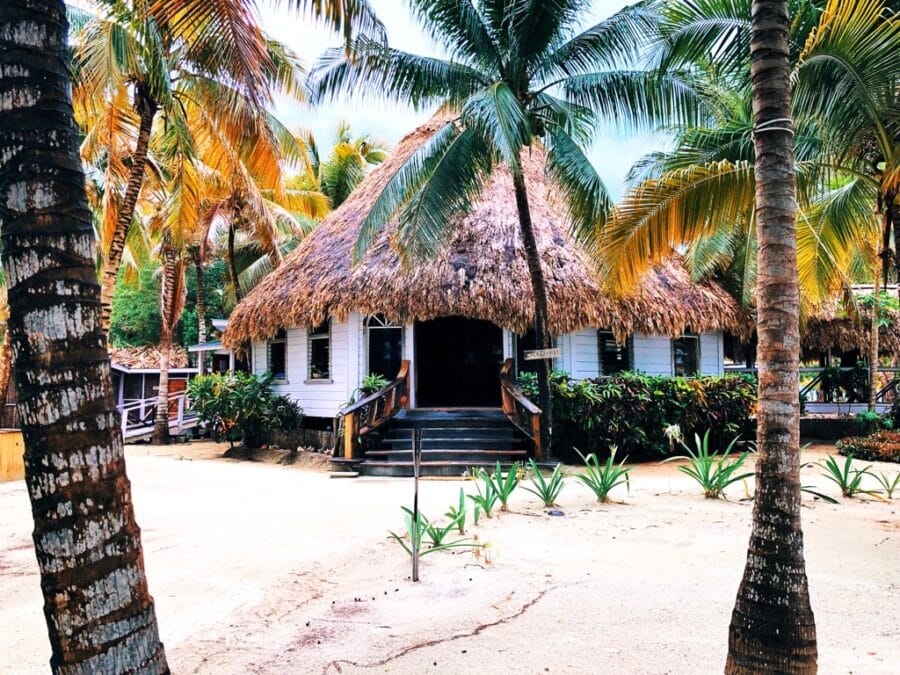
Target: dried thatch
[480, 274]
[147, 357]
[845, 334]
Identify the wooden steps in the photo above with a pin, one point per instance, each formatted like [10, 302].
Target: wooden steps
[453, 441]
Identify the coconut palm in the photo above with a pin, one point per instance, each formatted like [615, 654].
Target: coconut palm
[772, 627]
[135, 63]
[343, 169]
[518, 72]
[99, 613]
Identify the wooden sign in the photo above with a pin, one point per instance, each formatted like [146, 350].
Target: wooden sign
[539, 354]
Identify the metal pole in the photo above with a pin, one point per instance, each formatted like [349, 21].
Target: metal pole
[417, 452]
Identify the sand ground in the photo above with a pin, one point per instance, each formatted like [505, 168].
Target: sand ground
[273, 569]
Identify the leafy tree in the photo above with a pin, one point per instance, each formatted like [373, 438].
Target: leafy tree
[518, 73]
[135, 314]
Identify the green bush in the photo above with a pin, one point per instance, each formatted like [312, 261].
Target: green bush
[244, 405]
[882, 446]
[643, 415]
[868, 422]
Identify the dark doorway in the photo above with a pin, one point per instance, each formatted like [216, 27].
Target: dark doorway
[458, 363]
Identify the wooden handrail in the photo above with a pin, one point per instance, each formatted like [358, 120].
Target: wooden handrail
[524, 414]
[374, 410]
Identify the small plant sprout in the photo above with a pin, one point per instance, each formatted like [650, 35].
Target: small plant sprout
[713, 472]
[486, 499]
[848, 479]
[889, 484]
[417, 531]
[504, 486]
[601, 479]
[458, 513]
[547, 489]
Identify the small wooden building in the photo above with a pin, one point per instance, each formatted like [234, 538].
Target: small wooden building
[320, 324]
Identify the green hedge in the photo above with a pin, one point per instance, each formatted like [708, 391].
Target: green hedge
[882, 446]
[633, 412]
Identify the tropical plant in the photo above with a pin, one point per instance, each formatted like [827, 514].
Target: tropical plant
[485, 499]
[601, 479]
[868, 422]
[416, 531]
[889, 484]
[504, 486]
[518, 74]
[882, 446]
[547, 489]
[713, 472]
[244, 405]
[458, 512]
[846, 477]
[86, 540]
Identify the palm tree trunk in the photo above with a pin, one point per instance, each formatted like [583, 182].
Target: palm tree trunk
[201, 310]
[873, 339]
[541, 312]
[146, 107]
[232, 265]
[99, 613]
[772, 626]
[161, 425]
[5, 364]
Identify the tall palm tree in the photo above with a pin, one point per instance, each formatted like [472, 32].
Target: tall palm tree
[772, 627]
[99, 613]
[519, 72]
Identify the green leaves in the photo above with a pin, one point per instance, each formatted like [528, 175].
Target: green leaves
[498, 116]
[601, 479]
[547, 489]
[846, 477]
[711, 471]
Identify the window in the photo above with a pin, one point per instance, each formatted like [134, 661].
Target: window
[277, 356]
[384, 346]
[319, 342]
[614, 358]
[686, 355]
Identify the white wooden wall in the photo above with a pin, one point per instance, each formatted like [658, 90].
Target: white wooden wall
[580, 358]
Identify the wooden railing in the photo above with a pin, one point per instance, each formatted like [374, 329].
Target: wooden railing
[373, 411]
[518, 409]
[138, 415]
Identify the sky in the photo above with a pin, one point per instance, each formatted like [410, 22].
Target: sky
[612, 154]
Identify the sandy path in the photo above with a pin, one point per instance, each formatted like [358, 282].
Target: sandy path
[259, 568]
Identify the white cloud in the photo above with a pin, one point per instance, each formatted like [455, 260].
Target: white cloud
[612, 154]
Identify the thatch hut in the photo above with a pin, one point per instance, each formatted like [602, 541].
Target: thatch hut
[320, 323]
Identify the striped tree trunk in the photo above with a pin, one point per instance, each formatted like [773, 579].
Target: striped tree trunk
[772, 627]
[146, 107]
[873, 339]
[99, 613]
[232, 263]
[161, 424]
[541, 311]
[201, 308]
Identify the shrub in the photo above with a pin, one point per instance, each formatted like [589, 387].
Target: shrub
[547, 489]
[882, 446]
[847, 478]
[245, 405]
[711, 471]
[601, 479]
[633, 412]
[868, 422]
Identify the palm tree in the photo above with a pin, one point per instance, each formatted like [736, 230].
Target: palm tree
[337, 175]
[701, 194]
[99, 613]
[772, 627]
[518, 73]
[170, 55]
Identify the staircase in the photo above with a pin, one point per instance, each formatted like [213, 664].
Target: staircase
[452, 441]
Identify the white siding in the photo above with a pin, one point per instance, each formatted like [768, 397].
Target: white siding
[317, 398]
[652, 354]
[712, 354]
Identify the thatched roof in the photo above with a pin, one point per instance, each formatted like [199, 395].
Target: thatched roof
[845, 334]
[147, 357]
[481, 272]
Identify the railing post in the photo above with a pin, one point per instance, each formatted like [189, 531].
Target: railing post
[349, 434]
[536, 431]
[180, 419]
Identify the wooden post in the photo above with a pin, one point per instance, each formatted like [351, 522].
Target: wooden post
[349, 433]
[417, 454]
[536, 431]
